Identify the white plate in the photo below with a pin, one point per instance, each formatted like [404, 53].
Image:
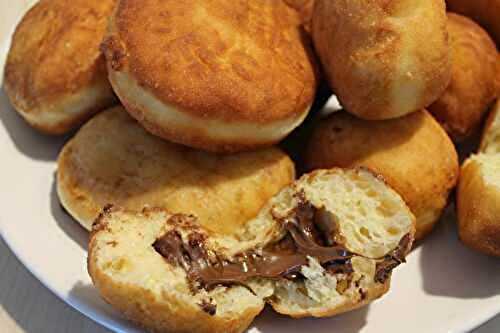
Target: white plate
[444, 287]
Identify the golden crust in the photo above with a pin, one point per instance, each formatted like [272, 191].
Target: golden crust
[54, 64]
[131, 168]
[484, 12]
[305, 9]
[490, 141]
[412, 153]
[473, 86]
[379, 58]
[235, 62]
[478, 210]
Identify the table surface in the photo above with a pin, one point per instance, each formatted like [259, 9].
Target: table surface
[27, 306]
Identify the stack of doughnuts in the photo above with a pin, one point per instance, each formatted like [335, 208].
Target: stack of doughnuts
[181, 108]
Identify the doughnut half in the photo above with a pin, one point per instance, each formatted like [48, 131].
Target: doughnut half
[478, 203]
[475, 79]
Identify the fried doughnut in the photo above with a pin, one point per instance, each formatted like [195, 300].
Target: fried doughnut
[234, 76]
[324, 245]
[484, 12]
[490, 142]
[383, 59]
[113, 160]
[478, 203]
[55, 75]
[412, 153]
[474, 80]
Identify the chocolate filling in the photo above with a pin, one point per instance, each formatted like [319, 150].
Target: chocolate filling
[309, 233]
[392, 260]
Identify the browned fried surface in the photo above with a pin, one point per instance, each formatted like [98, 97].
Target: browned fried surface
[379, 57]
[473, 86]
[412, 153]
[478, 207]
[231, 60]
[305, 9]
[485, 12]
[112, 159]
[55, 52]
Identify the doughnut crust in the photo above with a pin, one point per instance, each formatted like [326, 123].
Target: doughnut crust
[478, 203]
[490, 142]
[380, 58]
[305, 9]
[412, 153]
[113, 160]
[474, 81]
[155, 285]
[55, 74]
[484, 12]
[235, 76]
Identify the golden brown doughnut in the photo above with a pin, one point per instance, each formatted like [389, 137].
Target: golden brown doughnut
[383, 59]
[234, 76]
[55, 75]
[478, 203]
[412, 153]
[474, 80]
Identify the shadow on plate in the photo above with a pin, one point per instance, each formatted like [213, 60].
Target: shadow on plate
[268, 320]
[27, 140]
[24, 299]
[89, 302]
[448, 269]
[67, 224]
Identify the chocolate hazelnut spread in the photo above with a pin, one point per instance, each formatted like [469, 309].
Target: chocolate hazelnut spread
[309, 233]
[392, 260]
[282, 259]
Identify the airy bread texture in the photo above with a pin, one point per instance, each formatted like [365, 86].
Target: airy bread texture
[484, 12]
[237, 75]
[383, 59]
[113, 160]
[478, 203]
[370, 219]
[55, 75]
[412, 153]
[490, 143]
[474, 81]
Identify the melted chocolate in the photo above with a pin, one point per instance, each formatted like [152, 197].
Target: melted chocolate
[309, 233]
[280, 260]
[392, 260]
